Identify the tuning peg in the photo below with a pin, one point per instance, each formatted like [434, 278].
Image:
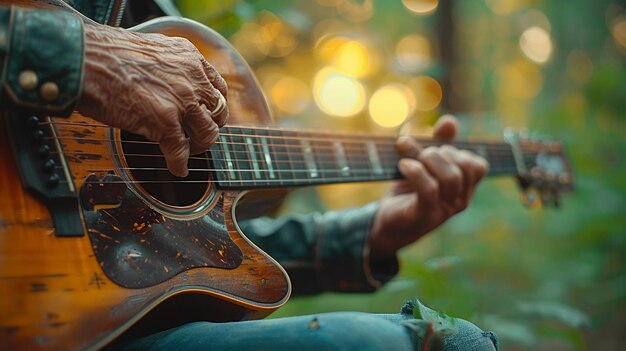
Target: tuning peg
[510, 136]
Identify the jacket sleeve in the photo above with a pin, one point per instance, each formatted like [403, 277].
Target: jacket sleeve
[324, 252]
[42, 60]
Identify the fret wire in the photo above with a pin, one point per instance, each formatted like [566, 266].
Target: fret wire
[290, 157]
[237, 161]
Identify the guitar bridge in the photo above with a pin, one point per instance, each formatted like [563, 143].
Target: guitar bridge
[43, 170]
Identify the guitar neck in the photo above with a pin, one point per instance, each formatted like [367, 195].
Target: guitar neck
[252, 158]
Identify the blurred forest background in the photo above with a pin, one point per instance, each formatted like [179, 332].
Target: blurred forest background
[543, 279]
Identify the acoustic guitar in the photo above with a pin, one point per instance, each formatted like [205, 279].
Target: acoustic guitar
[95, 233]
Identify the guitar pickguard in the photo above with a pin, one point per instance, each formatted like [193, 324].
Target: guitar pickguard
[138, 247]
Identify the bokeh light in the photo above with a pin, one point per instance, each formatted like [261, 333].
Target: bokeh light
[390, 105]
[338, 94]
[536, 44]
[427, 92]
[413, 52]
[619, 31]
[349, 56]
[421, 7]
[353, 59]
[289, 95]
[275, 38]
[518, 80]
[267, 36]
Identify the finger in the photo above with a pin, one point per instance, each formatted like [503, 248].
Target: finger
[426, 187]
[408, 146]
[446, 128]
[214, 77]
[465, 162]
[215, 103]
[175, 148]
[200, 128]
[445, 171]
[474, 168]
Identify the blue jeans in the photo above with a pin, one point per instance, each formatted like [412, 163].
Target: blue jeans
[325, 331]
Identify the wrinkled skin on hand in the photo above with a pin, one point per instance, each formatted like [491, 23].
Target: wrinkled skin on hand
[439, 182]
[157, 86]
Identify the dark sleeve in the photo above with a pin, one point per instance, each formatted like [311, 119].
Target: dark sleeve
[324, 252]
[42, 60]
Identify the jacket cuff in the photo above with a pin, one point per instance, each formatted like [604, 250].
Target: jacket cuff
[43, 66]
[344, 252]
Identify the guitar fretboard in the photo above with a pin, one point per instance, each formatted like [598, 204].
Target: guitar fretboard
[269, 158]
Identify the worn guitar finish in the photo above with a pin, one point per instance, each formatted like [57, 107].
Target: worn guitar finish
[81, 292]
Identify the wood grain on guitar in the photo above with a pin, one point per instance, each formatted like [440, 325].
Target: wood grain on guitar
[152, 239]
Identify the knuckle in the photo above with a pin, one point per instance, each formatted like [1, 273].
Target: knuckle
[453, 176]
[430, 188]
[446, 148]
[430, 152]
[185, 43]
[208, 136]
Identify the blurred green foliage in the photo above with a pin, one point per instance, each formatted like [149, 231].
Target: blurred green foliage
[542, 279]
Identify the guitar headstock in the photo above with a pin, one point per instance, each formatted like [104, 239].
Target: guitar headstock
[544, 171]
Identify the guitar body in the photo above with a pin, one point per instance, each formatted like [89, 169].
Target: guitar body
[142, 249]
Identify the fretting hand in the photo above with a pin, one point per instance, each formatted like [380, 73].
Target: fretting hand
[439, 182]
[157, 86]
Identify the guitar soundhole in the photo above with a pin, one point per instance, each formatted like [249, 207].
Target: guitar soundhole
[147, 165]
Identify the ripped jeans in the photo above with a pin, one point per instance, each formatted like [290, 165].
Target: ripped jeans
[325, 331]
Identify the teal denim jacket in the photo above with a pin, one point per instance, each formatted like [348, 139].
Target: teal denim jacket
[42, 60]
[42, 54]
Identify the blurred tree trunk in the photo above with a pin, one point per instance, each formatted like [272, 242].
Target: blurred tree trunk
[445, 31]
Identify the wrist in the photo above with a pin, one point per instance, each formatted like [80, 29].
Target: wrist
[392, 229]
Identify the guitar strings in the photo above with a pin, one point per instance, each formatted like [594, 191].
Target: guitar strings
[310, 135]
[468, 145]
[351, 162]
[361, 156]
[384, 150]
[322, 135]
[496, 149]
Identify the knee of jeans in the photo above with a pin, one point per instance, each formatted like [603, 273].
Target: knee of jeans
[468, 337]
[465, 335]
